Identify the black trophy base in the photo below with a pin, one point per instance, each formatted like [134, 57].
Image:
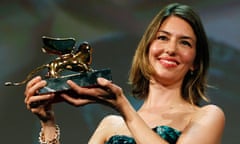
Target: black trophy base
[86, 79]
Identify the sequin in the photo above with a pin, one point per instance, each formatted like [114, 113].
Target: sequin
[169, 134]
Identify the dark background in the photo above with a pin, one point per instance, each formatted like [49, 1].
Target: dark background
[113, 28]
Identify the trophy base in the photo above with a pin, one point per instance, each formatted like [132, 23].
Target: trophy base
[85, 79]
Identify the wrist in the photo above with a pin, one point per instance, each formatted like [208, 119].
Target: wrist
[49, 135]
[47, 116]
[126, 109]
[48, 124]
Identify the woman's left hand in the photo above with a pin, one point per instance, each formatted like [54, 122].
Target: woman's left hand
[107, 93]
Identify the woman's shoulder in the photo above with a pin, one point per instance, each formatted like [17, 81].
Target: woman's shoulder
[112, 118]
[212, 110]
[207, 122]
[211, 114]
[112, 121]
[108, 125]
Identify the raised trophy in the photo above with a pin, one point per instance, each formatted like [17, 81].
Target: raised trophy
[73, 63]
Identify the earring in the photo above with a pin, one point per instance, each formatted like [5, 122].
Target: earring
[191, 72]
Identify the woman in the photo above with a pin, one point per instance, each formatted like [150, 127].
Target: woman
[169, 72]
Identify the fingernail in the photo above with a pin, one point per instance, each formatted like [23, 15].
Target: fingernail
[51, 94]
[102, 79]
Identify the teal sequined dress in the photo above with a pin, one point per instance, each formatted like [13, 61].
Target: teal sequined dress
[169, 134]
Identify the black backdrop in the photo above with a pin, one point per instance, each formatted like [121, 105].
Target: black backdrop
[113, 28]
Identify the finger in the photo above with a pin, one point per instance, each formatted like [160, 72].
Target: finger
[33, 81]
[101, 92]
[33, 90]
[111, 88]
[76, 101]
[44, 97]
[83, 90]
[36, 101]
[73, 85]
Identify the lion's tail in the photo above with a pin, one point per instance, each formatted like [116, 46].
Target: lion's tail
[29, 76]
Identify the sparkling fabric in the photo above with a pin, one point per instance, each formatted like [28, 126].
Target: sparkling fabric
[169, 134]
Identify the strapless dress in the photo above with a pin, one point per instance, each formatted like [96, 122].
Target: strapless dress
[167, 133]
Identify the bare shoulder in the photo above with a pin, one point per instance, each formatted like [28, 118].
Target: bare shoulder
[209, 113]
[113, 117]
[112, 120]
[106, 128]
[212, 111]
[206, 126]
[111, 123]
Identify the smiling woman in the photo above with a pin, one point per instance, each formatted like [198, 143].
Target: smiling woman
[172, 53]
[194, 83]
[168, 72]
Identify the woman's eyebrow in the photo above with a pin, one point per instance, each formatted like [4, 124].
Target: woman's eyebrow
[164, 32]
[182, 37]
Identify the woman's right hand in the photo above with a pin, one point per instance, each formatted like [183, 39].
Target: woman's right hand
[39, 105]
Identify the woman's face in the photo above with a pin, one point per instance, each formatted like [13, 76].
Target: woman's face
[173, 51]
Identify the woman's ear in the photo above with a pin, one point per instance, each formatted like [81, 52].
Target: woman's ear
[192, 68]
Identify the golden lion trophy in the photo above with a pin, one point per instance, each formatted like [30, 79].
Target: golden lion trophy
[73, 63]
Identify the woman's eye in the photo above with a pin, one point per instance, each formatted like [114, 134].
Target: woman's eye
[162, 38]
[186, 43]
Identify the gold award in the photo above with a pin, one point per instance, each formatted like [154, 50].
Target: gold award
[73, 63]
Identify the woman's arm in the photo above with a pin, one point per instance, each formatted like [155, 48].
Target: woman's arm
[117, 100]
[206, 126]
[41, 106]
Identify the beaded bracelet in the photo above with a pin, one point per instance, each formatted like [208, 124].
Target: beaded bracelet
[53, 141]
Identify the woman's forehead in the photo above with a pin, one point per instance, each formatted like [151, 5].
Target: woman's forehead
[177, 26]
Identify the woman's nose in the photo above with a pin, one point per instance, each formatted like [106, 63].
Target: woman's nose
[171, 48]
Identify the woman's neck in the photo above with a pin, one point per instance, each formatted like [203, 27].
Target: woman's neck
[163, 96]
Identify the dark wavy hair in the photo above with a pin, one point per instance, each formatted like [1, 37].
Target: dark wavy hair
[195, 82]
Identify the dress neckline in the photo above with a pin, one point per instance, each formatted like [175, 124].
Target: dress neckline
[166, 132]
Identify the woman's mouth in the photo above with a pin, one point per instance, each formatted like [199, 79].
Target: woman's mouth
[168, 62]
